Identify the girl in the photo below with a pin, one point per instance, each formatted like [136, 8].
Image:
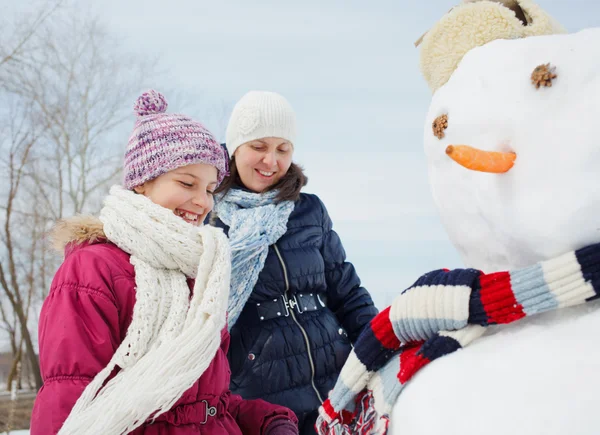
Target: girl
[129, 343]
[296, 305]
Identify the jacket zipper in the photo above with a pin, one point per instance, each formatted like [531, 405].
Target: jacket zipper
[291, 311]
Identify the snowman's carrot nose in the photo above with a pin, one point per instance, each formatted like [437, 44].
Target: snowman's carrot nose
[479, 160]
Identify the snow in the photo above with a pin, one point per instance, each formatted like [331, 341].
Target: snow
[549, 201]
[540, 375]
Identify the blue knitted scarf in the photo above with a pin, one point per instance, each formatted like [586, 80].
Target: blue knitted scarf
[255, 222]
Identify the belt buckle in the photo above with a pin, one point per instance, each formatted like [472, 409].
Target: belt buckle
[211, 411]
[286, 305]
[292, 303]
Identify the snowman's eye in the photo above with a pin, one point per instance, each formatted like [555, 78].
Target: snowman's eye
[439, 125]
[543, 75]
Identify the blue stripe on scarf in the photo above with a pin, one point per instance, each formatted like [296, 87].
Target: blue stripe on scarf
[341, 395]
[408, 330]
[389, 381]
[531, 290]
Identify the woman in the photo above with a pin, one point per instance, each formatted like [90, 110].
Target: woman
[296, 304]
[129, 342]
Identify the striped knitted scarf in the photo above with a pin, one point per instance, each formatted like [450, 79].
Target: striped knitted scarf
[440, 313]
[255, 222]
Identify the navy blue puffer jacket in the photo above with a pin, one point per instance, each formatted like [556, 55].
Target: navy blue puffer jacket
[293, 357]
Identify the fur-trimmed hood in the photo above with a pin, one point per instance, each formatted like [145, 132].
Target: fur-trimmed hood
[77, 230]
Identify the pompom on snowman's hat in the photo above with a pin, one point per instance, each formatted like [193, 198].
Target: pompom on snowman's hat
[474, 23]
[162, 142]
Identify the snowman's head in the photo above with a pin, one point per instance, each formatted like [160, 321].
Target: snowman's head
[473, 23]
[533, 191]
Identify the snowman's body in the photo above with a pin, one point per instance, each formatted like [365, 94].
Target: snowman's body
[542, 374]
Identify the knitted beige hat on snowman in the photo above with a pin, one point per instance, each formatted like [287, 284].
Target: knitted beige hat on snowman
[257, 115]
[474, 23]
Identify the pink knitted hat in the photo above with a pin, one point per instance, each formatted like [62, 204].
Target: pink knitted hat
[161, 142]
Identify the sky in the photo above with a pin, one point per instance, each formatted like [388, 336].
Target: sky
[350, 70]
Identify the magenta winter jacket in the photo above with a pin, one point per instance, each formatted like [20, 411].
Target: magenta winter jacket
[83, 321]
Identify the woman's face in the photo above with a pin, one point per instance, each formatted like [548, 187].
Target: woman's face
[263, 162]
[186, 191]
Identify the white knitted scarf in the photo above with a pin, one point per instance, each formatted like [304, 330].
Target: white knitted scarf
[171, 339]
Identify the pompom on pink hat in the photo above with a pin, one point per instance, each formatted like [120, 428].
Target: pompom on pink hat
[162, 142]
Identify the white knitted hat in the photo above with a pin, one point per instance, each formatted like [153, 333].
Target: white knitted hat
[260, 114]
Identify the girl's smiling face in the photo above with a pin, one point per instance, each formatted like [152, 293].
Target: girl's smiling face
[186, 191]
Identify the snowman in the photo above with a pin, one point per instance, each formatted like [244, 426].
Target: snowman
[514, 167]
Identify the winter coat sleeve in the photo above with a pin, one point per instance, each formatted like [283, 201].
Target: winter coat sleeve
[78, 335]
[351, 303]
[257, 417]
[282, 427]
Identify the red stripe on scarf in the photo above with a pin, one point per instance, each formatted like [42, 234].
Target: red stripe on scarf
[498, 298]
[383, 330]
[410, 362]
[329, 409]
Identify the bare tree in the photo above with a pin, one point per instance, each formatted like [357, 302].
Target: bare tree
[19, 43]
[17, 149]
[70, 91]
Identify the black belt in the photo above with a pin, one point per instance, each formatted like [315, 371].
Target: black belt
[282, 306]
